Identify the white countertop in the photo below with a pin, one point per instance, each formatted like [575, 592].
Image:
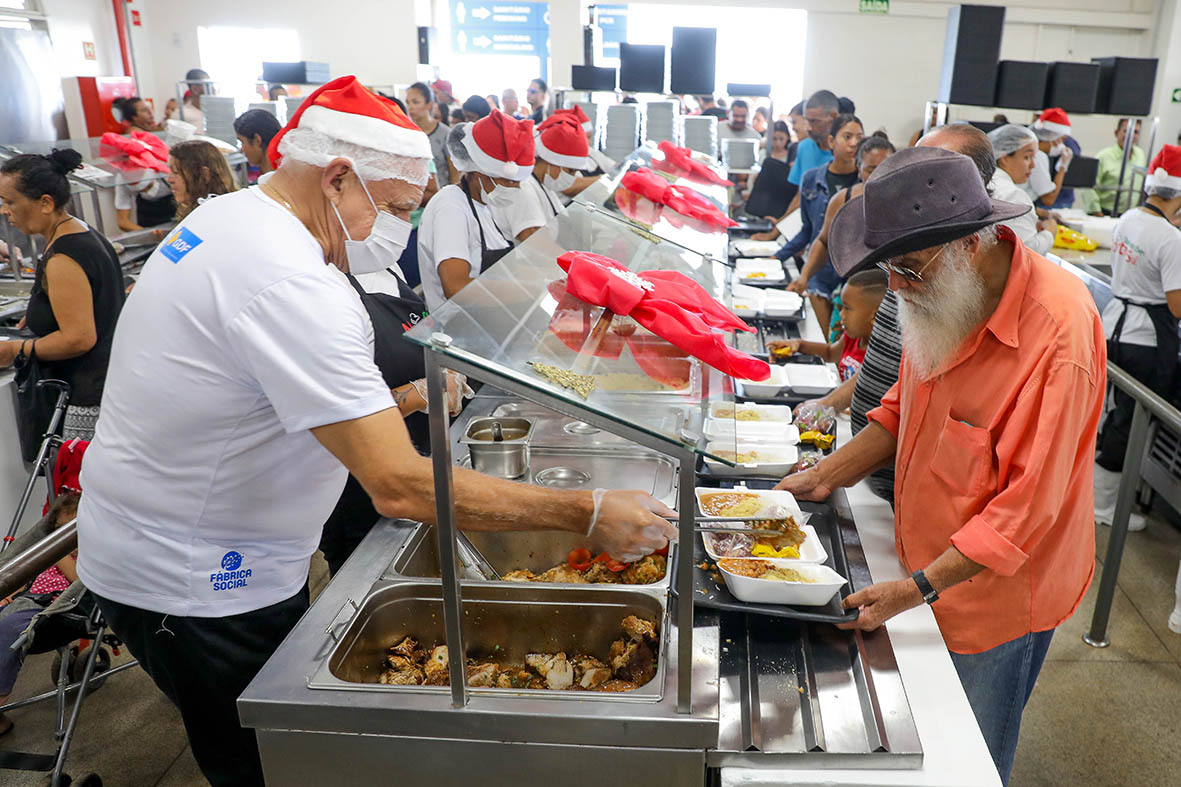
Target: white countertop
[954, 752]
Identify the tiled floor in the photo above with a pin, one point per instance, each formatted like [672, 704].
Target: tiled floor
[1097, 717]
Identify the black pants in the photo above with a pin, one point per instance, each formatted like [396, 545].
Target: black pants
[203, 665]
[1141, 363]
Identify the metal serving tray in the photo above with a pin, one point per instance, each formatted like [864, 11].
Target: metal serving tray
[508, 620]
[538, 551]
[646, 471]
[554, 430]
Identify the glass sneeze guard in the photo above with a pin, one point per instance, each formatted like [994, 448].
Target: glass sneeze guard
[517, 321]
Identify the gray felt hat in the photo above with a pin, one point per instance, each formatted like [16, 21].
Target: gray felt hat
[917, 198]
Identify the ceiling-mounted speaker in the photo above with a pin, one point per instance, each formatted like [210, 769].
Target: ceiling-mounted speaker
[694, 61]
[1126, 85]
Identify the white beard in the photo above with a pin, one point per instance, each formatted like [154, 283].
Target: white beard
[935, 323]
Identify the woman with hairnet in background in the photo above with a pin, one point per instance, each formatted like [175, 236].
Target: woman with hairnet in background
[459, 236]
[1014, 147]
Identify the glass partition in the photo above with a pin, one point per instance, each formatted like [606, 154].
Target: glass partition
[517, 320]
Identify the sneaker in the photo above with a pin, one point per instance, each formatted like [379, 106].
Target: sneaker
[1175, 621]
[1135, 521]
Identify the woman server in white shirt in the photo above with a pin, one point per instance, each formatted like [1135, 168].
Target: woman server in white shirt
[1141, 321]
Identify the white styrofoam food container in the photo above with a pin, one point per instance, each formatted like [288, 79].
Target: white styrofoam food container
[766, 432]
[748, 304]
[774, 460]
[769, 591]
[776, 503]
[809, 379]
[772, 269]
[778, 303]
[811, 550]
[769, 388]
[746, 247]
[765, 412]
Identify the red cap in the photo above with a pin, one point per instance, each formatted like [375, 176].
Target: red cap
[501, 147]
[1054, 120]
[562, 141]
[1165, 169]
[345, 109]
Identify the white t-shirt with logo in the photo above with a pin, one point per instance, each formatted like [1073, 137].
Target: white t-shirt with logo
[205, 491]
[448, 230]
[1145, 264]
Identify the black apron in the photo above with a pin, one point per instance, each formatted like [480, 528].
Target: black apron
[154, 212]
[488, 257]
[398, 359]
[545, 191]
[1164, 324]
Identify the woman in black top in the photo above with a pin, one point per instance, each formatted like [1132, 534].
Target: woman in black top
[770, 192]
[77, 288]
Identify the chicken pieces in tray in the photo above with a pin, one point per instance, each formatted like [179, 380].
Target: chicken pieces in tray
[630, 664]
[644, 571]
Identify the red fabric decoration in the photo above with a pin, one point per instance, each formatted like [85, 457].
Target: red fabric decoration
[67, 468]
[682, 199]
[144, 150]
[683, 158]
[667, 303]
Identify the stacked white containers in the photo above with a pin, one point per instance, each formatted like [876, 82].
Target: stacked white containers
[661, 121]
[700, 133]
[624, 130]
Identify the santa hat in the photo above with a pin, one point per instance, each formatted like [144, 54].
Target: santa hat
[501, 147]
[1165, 169]
[345, 110]
[563, 143]
[1054, 121]
[575, 113]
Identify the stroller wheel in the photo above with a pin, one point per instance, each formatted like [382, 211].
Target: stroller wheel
[102, 663]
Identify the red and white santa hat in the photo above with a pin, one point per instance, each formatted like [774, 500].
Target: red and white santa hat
[387, 143]
[563, 142]
[500, 146]
[1053, 121]
[575, 112]
[1165, 169]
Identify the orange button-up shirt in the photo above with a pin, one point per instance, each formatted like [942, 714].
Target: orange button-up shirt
[996, 450]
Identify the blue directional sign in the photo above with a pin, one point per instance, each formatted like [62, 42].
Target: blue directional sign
[500, 28]
[612, 20]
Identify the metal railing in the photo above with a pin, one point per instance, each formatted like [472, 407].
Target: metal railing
[1148, 406]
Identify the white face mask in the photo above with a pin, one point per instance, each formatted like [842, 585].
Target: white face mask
[563, 181]
[501, 197]
[1057, 150]
[384, 245]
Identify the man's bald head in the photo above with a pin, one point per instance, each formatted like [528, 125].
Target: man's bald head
[966, 140]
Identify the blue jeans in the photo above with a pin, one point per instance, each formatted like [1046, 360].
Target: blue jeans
[998, 683]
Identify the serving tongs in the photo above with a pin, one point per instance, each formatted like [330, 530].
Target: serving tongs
[742, 526]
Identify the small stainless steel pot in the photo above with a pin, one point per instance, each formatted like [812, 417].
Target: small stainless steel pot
[504, 458]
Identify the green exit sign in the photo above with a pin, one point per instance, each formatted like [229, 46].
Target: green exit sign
[874, 6]
[1177, 95]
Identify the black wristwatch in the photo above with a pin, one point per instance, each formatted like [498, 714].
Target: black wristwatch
[929, 594]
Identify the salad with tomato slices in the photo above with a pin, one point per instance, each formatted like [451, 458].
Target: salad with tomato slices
[584, 567]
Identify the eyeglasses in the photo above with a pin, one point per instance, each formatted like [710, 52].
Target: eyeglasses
[911, 275]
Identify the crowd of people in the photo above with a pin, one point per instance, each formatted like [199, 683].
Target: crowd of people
[259, 366]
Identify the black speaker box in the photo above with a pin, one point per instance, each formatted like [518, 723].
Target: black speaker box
[426, 43]
[749, 89]
[641, 68]
[971, 53]
[1126, 85]
[592, 78]
[1073, 87]
[1021, 84]
[693, 61]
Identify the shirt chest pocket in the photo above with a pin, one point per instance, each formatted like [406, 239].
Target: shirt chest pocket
[963, 459]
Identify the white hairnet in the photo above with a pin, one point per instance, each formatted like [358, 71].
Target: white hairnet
[456, 150]
[1007, 140]
[1045, 134]
[318, 149]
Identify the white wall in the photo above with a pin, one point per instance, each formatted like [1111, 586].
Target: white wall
[374, 39]
[73, 21]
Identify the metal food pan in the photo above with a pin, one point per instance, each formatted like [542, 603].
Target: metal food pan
[509, 621]
[537, 550]
[552, 429]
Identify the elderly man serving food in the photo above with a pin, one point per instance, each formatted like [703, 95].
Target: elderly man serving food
[991, 426]
[241, 391]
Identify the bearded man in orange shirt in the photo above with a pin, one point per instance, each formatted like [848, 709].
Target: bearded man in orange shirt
[991, 425]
